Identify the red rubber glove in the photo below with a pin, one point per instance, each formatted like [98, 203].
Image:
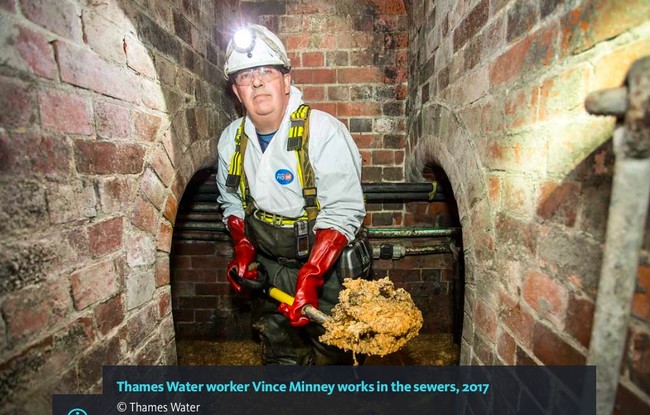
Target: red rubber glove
[326, 250]
[244, 253]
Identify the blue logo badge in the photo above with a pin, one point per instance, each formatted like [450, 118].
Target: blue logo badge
[283, 176]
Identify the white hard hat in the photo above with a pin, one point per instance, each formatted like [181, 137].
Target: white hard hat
[253, 46]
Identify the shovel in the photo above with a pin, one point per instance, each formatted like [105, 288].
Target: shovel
[308, 310]
[277, 294]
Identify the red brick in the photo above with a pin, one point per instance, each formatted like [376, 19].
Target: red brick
[472, 24]
[94, 283]
[579, 318]
[519, 322]
[97, 157]
[146, 126]
[552, 350]
[210, 262]
[114, 194]
[396, 40]
[629, 403]
[171, 208]
[485, 320]
[313, 93]
[81, 67]
[641, 299]
[359, 75]
[105, 237]
[531, 53]
[506, 347]
[32, 153]
[142, 325]
[521, 18]
[313, 59]
[178, 185]
[109, 314]
[162, 270]
[354, 40]
[314, 76]
[164, 239]
[545, 295]
[35, 50]
[138, 58]
[355, 109]
[8, 5]
[639, 357]
[112, 121]
[383, 157]
[598, 20]
[33, 310]
[65, 113]
[521, 107]
[103, 36]
[157, 98]
[17, 104]
[558, 202]
[329, 108]
[482, 350]
[296, 41]
[564, 93]
[144, 216]
[61, 17]
[393, 7]
[162, 166]
[153, 188]
[216, 289]
[494, 190]
[202, 275]
[165, 304]
[310, 41]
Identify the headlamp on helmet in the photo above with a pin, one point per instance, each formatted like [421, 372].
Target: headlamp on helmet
[244, 41]
[254, 46]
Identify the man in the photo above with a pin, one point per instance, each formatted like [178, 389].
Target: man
[274, 215]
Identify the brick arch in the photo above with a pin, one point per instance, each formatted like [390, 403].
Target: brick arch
[453, 149]
[108, 109]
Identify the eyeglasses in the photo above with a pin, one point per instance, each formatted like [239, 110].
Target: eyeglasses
[266, 74]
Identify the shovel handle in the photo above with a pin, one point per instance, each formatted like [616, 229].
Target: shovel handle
[308, 311]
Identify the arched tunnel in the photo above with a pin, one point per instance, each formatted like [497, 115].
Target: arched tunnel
[479, 162]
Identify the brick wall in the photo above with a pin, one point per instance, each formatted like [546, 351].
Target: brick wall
[106, 111]
[495, 99]
[349, 59]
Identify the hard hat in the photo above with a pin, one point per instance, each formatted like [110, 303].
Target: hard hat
[253, 46]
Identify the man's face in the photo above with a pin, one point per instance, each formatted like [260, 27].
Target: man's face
[263, 90]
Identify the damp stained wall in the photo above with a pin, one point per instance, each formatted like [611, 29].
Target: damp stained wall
[107, 109]
[496, 92]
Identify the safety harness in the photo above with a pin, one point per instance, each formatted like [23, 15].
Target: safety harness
[299, 143]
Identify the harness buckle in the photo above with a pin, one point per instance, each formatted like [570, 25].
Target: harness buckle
[232, 181]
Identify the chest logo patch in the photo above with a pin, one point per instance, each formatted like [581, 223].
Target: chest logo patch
[283, 176]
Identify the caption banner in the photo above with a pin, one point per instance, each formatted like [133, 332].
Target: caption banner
[386, 390]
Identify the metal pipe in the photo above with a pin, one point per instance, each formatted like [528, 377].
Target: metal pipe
[424, 196]
[202, 226]
[398, 187]
[397, 251]
[200, 207]
[429, 192]
[625, 227]
[411, 232]
[201, 236]
[199, 217]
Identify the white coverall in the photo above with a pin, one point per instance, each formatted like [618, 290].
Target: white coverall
[273, 180]
[275, 188]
